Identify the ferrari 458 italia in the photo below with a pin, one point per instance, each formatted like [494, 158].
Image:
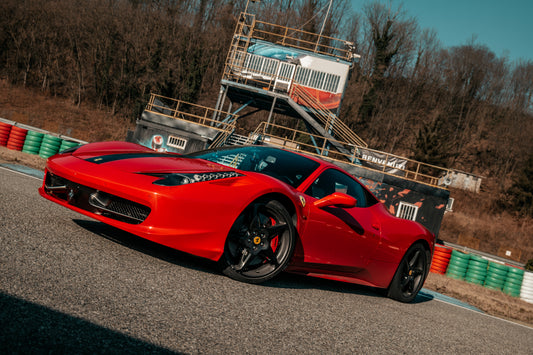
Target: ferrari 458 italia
[256, 210]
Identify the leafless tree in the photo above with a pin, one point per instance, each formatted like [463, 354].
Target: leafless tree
[406, 94]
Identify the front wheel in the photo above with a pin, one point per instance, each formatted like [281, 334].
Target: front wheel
[410, 275]
[260, 243]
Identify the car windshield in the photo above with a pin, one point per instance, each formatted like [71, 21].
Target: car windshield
[288, 167]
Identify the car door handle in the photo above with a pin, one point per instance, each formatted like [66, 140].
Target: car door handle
[375, 226]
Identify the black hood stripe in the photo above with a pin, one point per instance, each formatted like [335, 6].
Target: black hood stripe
[122, 156]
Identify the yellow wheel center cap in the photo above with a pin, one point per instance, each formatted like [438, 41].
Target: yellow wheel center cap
[257, 240]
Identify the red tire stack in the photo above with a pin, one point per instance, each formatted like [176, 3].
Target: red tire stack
[441, 259]
[5, 129]
[16, 138]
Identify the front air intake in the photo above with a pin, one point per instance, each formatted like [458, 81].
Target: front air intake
[110, 206]
[95, 201]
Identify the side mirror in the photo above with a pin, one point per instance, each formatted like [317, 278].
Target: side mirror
[337, 199]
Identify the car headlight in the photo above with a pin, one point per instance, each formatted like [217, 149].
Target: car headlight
[189, 178]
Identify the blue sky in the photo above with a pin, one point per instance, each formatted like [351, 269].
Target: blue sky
[504, 26]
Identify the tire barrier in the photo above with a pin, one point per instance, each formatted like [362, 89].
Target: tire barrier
[476, 271]
[33, 141]
[496, 275]
[453, 263]
[5, 129]
[49, 146]
[526, 291]
[458, 265]
[513, 282]
[441, 259]
[17, 136]
[65, 144]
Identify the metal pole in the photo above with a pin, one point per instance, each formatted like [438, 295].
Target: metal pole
[271, 111]
[323, 25]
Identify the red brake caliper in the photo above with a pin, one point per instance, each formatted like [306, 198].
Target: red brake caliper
[274, 241]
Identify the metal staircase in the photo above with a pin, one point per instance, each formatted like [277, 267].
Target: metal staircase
[237, 139]
[330, 122]
[229, 138]
[318, 127]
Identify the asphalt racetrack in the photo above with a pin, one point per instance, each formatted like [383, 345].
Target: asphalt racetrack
[69, 284]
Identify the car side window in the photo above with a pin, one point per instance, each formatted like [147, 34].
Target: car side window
[331, 181]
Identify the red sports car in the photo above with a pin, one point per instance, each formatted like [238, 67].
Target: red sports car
[256, 210]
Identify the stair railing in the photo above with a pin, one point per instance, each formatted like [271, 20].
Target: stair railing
[331, 122]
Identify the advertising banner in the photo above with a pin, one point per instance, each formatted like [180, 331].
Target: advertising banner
[381, 161]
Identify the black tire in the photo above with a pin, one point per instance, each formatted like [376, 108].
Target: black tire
[410, 275]
[260, 243]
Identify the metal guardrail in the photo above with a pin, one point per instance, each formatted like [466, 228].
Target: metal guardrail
[301, 141]
[296, 38]
[220, 139]
[186, 111]
[487, 256]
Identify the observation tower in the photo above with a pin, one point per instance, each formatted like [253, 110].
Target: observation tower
[273, 71]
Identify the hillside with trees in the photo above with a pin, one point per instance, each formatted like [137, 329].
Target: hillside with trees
[460, 107]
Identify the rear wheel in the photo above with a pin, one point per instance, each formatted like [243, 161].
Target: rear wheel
[260, 243]
[410, 275]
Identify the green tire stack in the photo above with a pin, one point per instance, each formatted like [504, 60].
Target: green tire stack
[513, 282]
[49, 146]
[32, 143]
[67, 145]
[476, 272]
[496, 275]
[458, 265]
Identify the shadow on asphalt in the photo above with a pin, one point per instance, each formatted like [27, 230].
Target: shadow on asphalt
[285, 280]
[147, 247]
[28, 328]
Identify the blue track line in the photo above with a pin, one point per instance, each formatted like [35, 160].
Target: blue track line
[24, 170]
